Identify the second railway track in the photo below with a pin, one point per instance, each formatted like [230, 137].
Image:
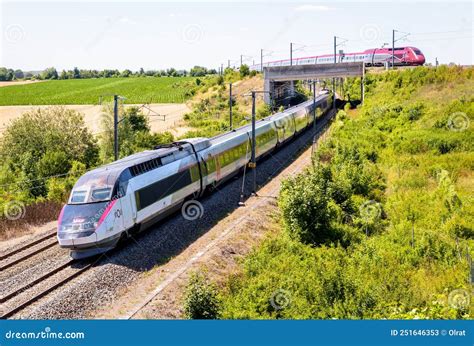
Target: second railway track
[28, 250]
[24, 296]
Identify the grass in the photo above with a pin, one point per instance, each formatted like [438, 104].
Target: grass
[88, 91]
[418, 170]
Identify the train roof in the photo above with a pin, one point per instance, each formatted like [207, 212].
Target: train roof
[149, 159]
[160, 156]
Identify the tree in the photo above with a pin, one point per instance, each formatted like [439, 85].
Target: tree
[45, 141]
[6, 74]
[63, 75]
[49, 73]
[244, 71]
[171, 72]
[141, 72]
[198, 71]
[126, 73]
[305, 203]
[76, 74]
[19, 74]
[134, 133]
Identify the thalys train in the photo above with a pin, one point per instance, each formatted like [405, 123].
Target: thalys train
[403, 56]
[128, 195]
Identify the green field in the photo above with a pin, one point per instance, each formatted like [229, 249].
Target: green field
[88, 91]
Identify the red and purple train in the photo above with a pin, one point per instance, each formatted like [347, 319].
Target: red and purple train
[402, 56]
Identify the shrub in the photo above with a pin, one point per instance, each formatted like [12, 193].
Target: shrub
[201, 298]
[244, 71]
[44, 142]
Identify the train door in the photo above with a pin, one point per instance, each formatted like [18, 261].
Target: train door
[114, 220]
[126, 201]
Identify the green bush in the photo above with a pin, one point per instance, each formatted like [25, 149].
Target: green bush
[44, 142]
[201, 298]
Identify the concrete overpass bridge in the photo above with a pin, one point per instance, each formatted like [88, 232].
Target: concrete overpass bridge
[279, 80]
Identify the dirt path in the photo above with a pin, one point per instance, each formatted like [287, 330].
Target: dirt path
[20, 82]
[159, 293]
[173, 111]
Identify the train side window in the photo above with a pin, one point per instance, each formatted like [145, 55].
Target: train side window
[122, 184]
[211, 164]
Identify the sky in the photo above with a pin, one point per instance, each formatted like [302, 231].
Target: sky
[159, 35]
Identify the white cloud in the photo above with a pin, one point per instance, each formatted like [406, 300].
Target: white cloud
[313, 8]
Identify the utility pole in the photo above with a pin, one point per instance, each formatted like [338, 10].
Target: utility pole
[261, 60]
[393, 48]
[314, 108]
[314, 119]
[291, 54]
[222, 69]
[116, 144]
[334, 79]
[230, 106]
[228, 63]
[253, 159]
[362, 84]
[241, 60]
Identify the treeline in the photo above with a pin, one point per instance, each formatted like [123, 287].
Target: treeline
[52, 74]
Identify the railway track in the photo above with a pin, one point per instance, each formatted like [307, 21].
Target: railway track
[26, 295]
[22, 296]
[28, 250]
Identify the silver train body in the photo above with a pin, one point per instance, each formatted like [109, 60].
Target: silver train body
[128, 195]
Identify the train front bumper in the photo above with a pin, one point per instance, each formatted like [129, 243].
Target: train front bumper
[77, 240]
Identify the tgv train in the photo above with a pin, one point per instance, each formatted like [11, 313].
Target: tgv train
[403, 56]
[128, 195]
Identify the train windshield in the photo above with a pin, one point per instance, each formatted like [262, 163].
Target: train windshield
[82, 217]
[92, 188]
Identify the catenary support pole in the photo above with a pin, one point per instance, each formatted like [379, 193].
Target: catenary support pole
[291, 54]
[393, 48]
[230, 106]
[116, 144]
[334, 79]
[254, 145]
